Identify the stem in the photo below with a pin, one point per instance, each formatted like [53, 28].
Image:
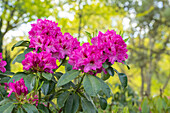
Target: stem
[80, 83]
[61, 64]
[39, 96]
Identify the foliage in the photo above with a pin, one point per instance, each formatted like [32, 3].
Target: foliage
[40, 84]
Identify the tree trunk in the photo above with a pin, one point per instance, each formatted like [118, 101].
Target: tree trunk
[150, 67]
[1, 42]
[142, 79]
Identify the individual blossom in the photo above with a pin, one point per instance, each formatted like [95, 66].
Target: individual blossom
[87, 58]
[18, 88]
[64, 45]
[41, 62]
[2, 64]
[112, 45]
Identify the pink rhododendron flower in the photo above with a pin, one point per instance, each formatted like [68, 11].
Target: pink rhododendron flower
[64, 45]
[2, 64]
[112, 45]
[18, 88]
[87, 58]
[46, 36]
[44, 28]
[42, 62]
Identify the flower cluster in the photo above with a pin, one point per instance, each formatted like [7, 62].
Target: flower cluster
[42, 62]
[18, 88]
[106, 46]
[2, 64]
[87, 57]
[33, 100]
[112, 45]
[46, 36]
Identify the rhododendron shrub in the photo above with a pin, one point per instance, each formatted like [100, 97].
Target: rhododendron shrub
[40, 87]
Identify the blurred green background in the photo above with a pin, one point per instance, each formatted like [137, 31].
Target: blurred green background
[145, 23]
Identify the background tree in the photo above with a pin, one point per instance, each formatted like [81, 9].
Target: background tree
[13, 13]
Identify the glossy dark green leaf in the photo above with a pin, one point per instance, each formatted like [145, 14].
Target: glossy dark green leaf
[17, 76]
[93, 85]
[104, 76]
[21, 43]
[68, 67]
[43, 108]
[4, 80]
[7, 73]
[45, 87]
[21, 56]
[33, 83]
[103, 103]
[123, 79]
[58, 75]
[28, 80]
[87, 106]
[110, 71]
[47, 76]
[7, 108]
[105, 65]
[62, 99]
[20, 110]
[67, 77]
[72, 104]
[30, 108]
[126, 65]
[4, 101]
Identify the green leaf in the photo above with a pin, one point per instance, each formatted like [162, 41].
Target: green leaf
[110, 71]
[126, 65]
[125, 40]
[43, 108]
[58, 75]
[33, 83]
[68, 67]
[20, 110]
[87, 106]
[67, 77]
[4, 101]
[62, 99]
[103, 103]
[21, 56]
[123, 79]
[21, 43]
[6, 74]
[104, 76]
[28, 80]
[7, 108]
[105, 65]
[94, 85]
[45, 87]
[17, 76]
[72, 104]
[145, 107]
[4, 80]
[47, 76]
[30, 108]
[88, 34]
